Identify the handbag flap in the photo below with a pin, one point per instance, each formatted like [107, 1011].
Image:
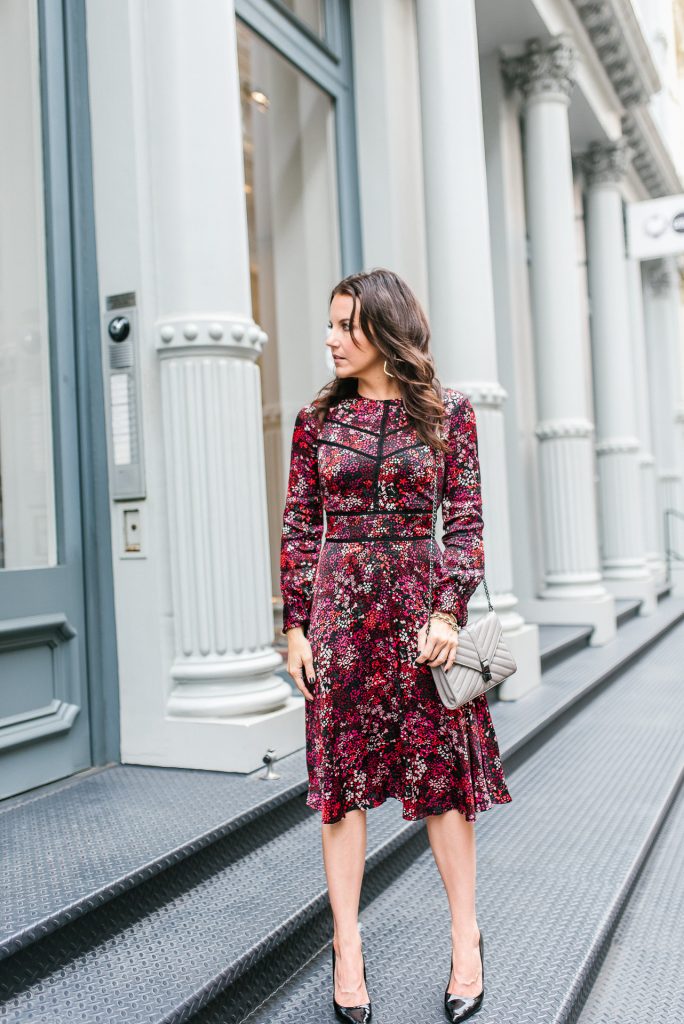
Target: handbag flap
[478, 642]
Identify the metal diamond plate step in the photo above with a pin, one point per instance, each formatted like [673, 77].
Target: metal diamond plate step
[174, 943]
[555, 868]
[568, 685]
[558, 642]
[156, 817]
[138, 821]
[626, 608]
[641, 977]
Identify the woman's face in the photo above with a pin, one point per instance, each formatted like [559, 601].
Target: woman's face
[351, 360]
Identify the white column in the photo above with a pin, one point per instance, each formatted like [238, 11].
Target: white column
[661, 300]
[460, 287]
[623, 549]
[648, 489]
[222, 670]
[572, 589]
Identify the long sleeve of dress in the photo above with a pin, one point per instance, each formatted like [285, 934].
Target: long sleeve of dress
[302, 523]
[462, 566]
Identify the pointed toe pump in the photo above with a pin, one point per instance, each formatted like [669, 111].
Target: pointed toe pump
[359, 1014]
[457, 1007]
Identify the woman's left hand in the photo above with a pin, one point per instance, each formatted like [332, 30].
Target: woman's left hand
[440, 647]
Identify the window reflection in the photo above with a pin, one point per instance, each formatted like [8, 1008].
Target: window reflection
[291, 198]
[26, 483]
[311, 12]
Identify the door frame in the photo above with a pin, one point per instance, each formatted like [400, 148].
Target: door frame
[75, 349]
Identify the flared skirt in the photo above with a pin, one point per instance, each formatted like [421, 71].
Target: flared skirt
[376, 727]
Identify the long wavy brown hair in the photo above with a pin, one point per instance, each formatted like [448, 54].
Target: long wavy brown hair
[394, 321]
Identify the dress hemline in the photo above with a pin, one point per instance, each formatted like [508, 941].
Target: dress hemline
[469, 813]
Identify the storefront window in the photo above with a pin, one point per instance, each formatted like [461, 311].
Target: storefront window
[294, 243]
[311, 12]
[27, 526]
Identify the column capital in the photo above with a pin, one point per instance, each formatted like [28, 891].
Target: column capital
[543, 69]
[187, 335]
[606, 163]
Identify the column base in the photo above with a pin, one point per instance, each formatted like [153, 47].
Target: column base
[524, 646]
[225, 688]
[643, 589]
[599, 613]
[657, 568]
[225, 744]
[506, 607]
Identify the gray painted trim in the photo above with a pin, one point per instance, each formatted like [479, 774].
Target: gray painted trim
[54, 631]
[68, 148]
[329, 64]
[98, 574]
[57, 717]
[347, 161]
[35, 629]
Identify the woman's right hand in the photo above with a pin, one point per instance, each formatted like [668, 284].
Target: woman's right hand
[300, 660]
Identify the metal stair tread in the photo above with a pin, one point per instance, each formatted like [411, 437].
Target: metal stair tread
[154, 818]
[56, 878]
[564, 684]
[181, 947]
[206, 918]
[554, 869]
[626, 608]
[642, 974]
[557, 638]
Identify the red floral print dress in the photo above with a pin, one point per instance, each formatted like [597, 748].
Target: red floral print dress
[376, 726]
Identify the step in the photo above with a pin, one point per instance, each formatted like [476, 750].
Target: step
[129, 813]
[567, 686]
[255, 901]
[187, 933]
[626, 608]
[73, 848]
[558, 642]
[641, 976]
[555, 869]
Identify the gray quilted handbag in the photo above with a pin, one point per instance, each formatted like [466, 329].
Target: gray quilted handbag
[482, 657]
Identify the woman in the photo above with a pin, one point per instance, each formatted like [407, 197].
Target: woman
[354, 613]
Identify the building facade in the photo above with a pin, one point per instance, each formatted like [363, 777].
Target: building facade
[183, 185]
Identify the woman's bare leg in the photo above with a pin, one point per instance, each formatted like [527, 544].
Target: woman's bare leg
[344, 857]
[452, 839]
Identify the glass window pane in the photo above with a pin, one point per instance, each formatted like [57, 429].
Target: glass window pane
[311, 12]
[27, 529]
[294, 243]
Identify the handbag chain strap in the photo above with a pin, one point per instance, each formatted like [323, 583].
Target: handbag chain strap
[432, 545]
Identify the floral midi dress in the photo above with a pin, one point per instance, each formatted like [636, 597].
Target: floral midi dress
[376, 726]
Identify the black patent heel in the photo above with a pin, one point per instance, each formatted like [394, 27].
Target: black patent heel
[359, 1014]
[457, 1007]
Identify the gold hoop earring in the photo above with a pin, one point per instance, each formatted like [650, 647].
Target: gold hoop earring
[384, 366]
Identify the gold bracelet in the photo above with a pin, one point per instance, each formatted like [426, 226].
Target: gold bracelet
[447, 617]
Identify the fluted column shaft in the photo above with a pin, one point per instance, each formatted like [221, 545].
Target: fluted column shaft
[460, 275]
[207, 344]
[461, 288]
[661, 299]
[545, 77]
[617, 443]
[648, 487]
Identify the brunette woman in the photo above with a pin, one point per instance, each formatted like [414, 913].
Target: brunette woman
[364, 451]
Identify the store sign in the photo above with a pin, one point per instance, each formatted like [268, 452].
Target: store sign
[655, 227]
